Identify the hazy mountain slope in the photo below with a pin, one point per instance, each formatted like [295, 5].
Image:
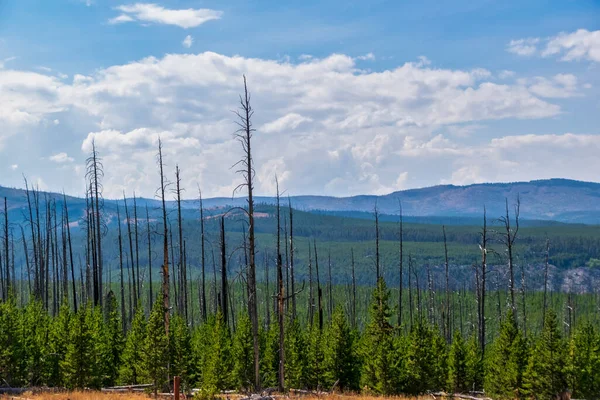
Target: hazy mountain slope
[555, 199]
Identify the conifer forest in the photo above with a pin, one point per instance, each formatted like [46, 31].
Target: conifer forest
[244, 298]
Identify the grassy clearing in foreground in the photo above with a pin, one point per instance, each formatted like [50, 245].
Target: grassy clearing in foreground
[95, 395]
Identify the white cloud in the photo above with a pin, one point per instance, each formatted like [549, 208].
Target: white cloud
[153, 13]
[188, 41]
[14, 167]
[368, 56]
[323, 125]
[523, 47]
[505, 74]
[559, 86]
[579, 45]
[61, 158]
[289, 121]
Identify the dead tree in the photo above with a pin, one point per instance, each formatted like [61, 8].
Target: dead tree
[137, 249]
[354, 324]
[182, 272]
[165, 266]
[508, 238]
[401, 264]
[319, 292]
[377, 265]
[70, 252]
[6, 252]
[95, 171]
[292, 278]
[149, 233]
[224, 289]
[447, 332]
[36, 292]
[280, 298]
[311, 298]
[120, 239]
[244, 136]
[483, 247]
[203, 260]
[131, 255]
[545, 305]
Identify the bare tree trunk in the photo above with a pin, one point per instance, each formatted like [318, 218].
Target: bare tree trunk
[27, 265]
[280, 297]
[377, 265]
[401, 266]
[508, 239]
[483, 247]
[354, 322]
[149, 232]
[131, 254]
[292, 278]
[70, 253]
[224, 291]
[319, 292]
[95, 172]
[165, 266]
[137, 250]
[545, 305]
[203, 261]
[330, 288]
[410, 299]
[244, 135]
[447, 332]
[120, 238]
[36, 292]
[311, 299]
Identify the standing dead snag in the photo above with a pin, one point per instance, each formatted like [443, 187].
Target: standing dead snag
[149, 233]
[447, 332]
[292, 279]
[401, 265]
[95, 171]
[224, 290]
[165, 266]
[203, 260]
[545, 305]
[483, 247]
[280, 297]
[508, 238]
[244, 136]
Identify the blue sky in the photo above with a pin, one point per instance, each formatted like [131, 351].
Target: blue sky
[351, 97]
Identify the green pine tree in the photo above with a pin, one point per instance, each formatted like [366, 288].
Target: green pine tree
[243, 354]
[296, 368]
[156, 348]
[474, 364]
[11, 354]
[426, 359]
[180, 344]
[379, 360]
[218, 363]
[506, 361]
[457, 365]
[340, 362]
[132, 370]
[58, 340]
[110, 343]
[34, 335]
[315, 358]
[585, 363]
[79, 362]
[269, 355]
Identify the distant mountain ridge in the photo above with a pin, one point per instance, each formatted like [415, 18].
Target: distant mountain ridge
[561, 200]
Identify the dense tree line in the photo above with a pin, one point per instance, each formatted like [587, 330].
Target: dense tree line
[88, 348]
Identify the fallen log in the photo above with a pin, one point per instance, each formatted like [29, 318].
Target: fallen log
[459, 396]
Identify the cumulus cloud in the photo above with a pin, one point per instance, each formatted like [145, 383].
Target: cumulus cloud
[14, 167]
[61, 158]
[559, 86]
[523, 47]
[153, 13]
[323, 125]
[579, 45]
[188, 41]
[574, 46]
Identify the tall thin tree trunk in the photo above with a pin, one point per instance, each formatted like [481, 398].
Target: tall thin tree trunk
[120, 238]
[165, 266]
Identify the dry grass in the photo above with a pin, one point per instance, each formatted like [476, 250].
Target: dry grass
[92, 395]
